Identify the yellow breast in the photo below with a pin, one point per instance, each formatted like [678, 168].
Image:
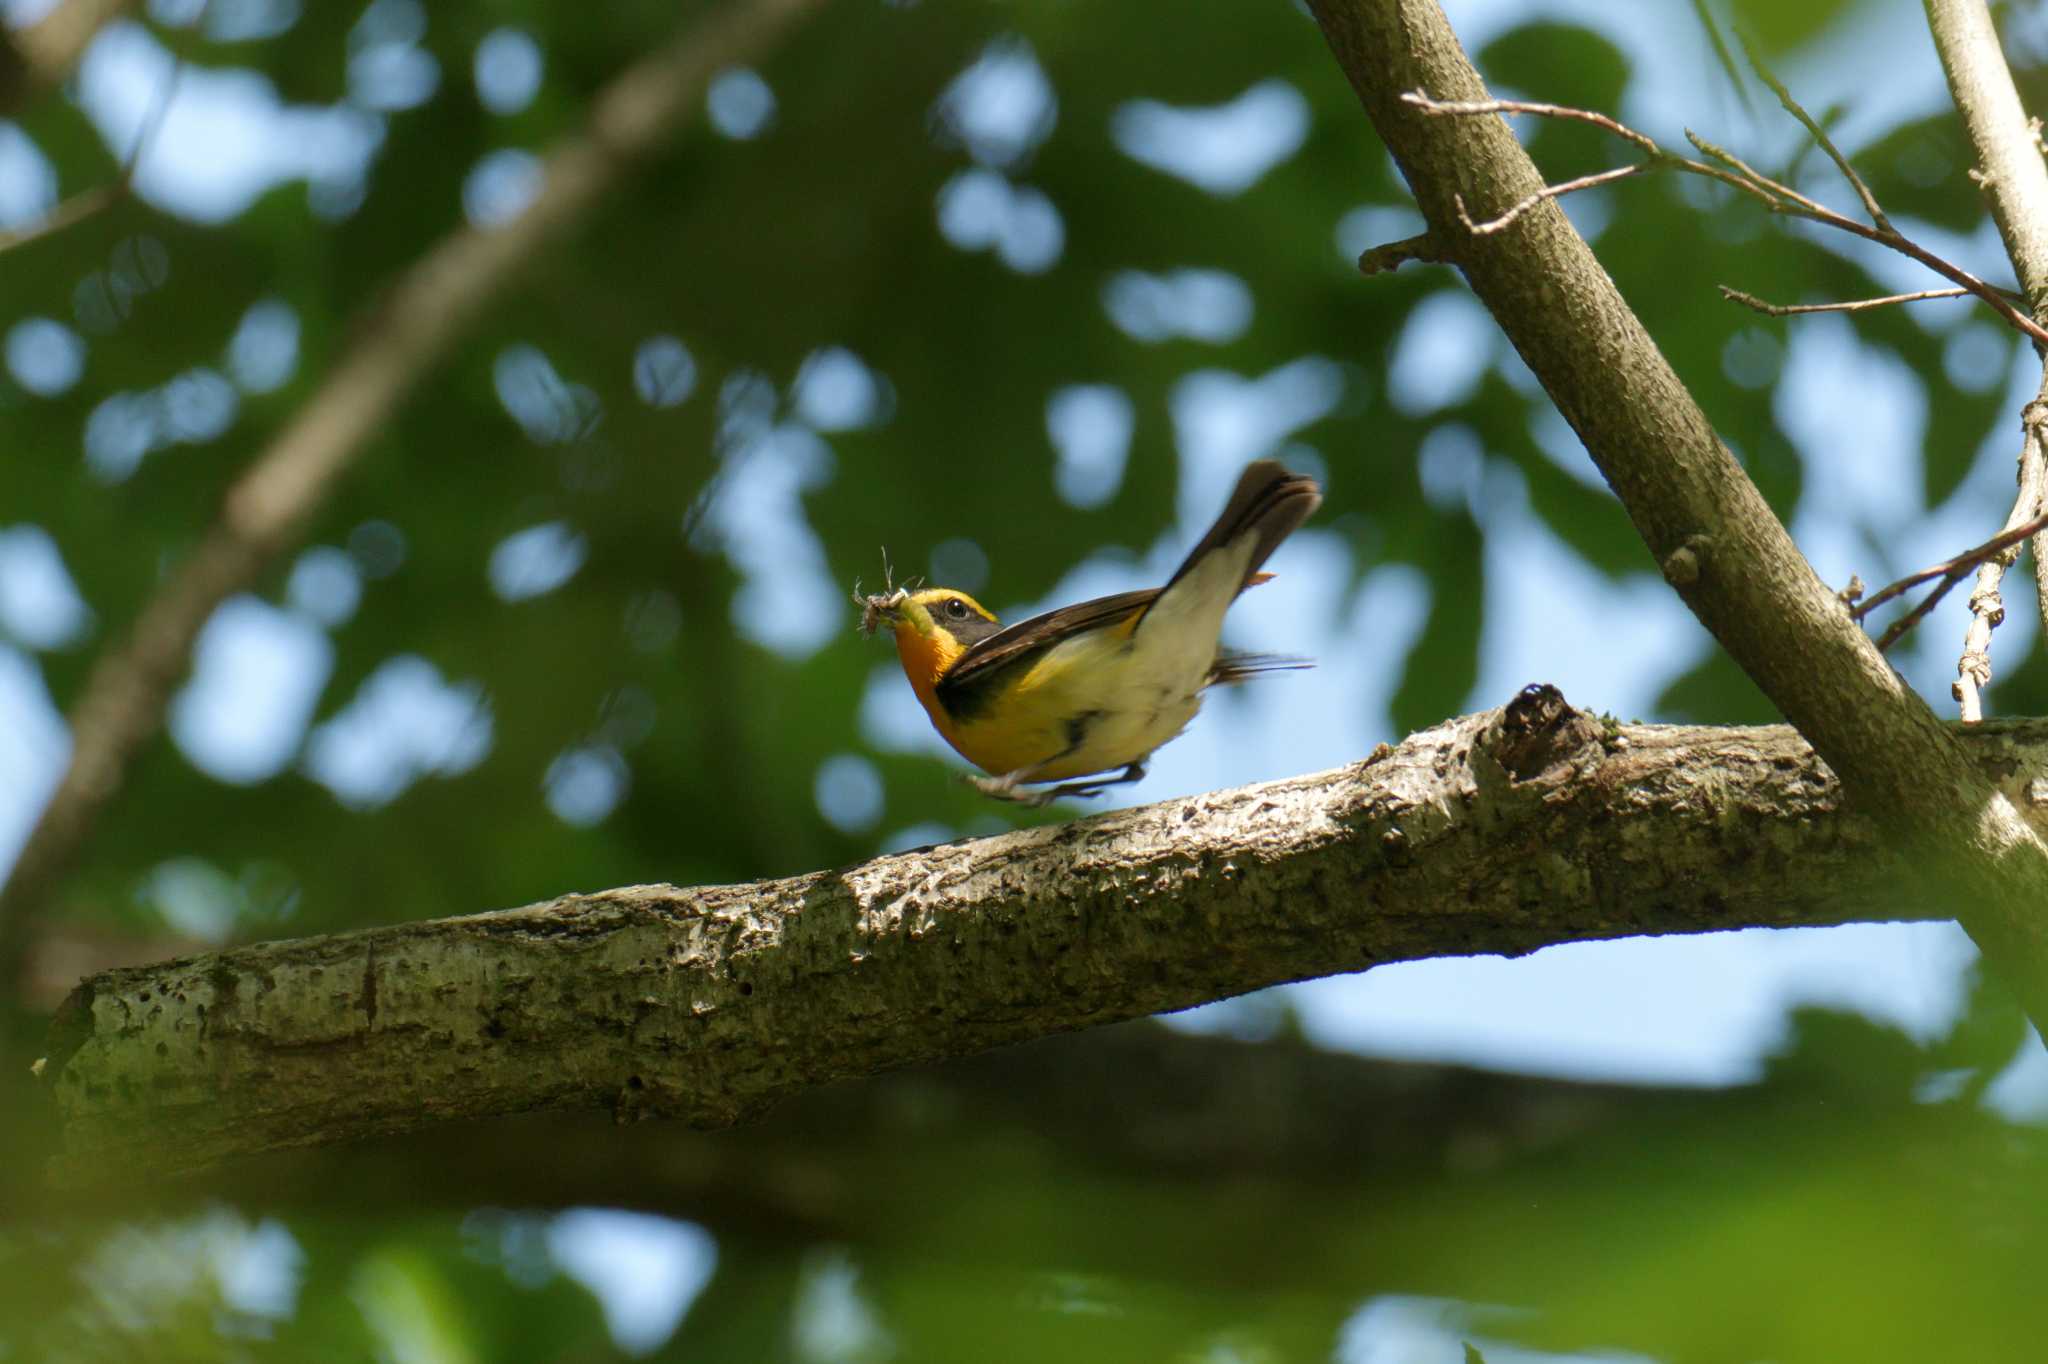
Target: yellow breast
[1088, 705]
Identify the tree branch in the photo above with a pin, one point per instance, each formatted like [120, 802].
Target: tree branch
[2015, 182]
[1733, 172]
[426, 312]
[1820, 137]
[1495, 833]
[2012, 174]
[86, 203]
[1719, 544]
[2002, 546]
[1856, 305]
[1138, 1097]
[1987, 608]
[39, 57]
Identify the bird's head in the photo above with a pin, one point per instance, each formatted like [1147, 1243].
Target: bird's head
[933, 626]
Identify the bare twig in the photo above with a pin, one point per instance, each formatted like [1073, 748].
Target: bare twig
[1705, 15]
[85, 204]
[1958, 566]
[1798, 111]
[1784, 197]
[1466, 108]
[1557, 191]
[67, 213]
[419, 322]
[1951, 572]
[1738, 174]
[1987, 609]
[1851, 306]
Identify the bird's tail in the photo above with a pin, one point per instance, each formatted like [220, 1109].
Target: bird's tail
[1234, 665]
[1269, 503]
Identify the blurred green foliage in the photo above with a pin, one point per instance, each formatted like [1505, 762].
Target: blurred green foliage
[1830, 1214]
[757, 253]
[1858, 1202]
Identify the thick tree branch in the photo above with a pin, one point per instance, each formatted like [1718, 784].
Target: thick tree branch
[427, 310]
[1495, 833]
[1138, 1098]
[1979, 855]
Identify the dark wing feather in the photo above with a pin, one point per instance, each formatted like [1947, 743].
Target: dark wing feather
[1268, 499]
[966, 683]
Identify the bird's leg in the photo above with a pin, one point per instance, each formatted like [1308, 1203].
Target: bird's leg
[1005, 786]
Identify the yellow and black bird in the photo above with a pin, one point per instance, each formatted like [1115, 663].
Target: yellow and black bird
[1099, 685]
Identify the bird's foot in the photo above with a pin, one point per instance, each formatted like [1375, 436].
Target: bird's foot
[1005, 786]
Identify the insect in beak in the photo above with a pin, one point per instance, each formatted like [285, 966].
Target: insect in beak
[879, 606]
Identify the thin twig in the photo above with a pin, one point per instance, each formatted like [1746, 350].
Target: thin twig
[76, 209]
[1794, 108]
[1556, 191]
[1740, 175]
[1785, 198]
[67, 213]
[1660, 157]
[1723, 55]
[1468, 107]
[1987, 608]
[1951, 572]
[1851, 306]
[1958, 566]
[426, 311]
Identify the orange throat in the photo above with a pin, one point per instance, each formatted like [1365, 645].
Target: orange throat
[925, 658]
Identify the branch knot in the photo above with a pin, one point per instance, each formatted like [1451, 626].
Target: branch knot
[1539, 731]
[1682, 566]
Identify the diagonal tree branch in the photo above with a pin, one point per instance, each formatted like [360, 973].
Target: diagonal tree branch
[418, 323]
[38, 58]
[2011, 173]
[1499, 832]
[1979, 855]
[86, 203]
[2015, 183]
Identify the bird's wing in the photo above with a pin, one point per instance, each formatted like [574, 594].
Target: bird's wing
[975, 673]
[1268, 503]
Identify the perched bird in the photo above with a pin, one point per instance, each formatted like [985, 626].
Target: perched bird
[1098, 685]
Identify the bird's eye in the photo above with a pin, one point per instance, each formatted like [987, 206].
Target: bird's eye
[957, 609]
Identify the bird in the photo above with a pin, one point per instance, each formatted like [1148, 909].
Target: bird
[1096, 687]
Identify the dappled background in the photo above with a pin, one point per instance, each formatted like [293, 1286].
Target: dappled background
[1007, 293]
